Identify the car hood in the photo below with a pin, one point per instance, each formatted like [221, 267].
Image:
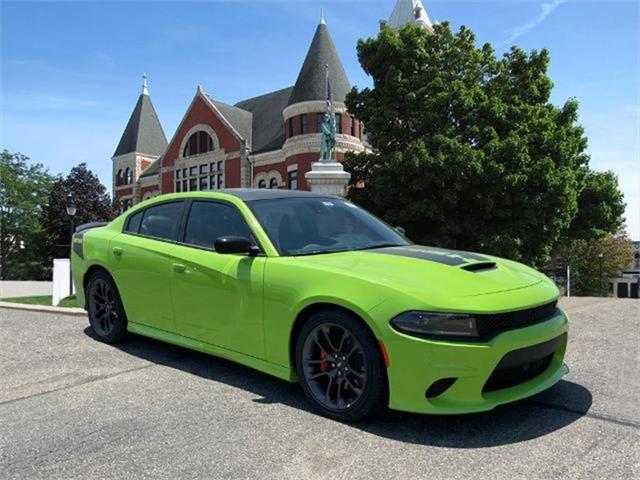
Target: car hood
[417, 269]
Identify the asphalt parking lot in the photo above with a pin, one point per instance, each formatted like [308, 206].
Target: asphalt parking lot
[71, 407]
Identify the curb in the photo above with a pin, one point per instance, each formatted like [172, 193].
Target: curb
[76, 312]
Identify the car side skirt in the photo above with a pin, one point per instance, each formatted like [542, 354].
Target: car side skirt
[252, 362]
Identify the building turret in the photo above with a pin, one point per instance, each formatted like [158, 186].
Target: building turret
[142, 142]
[409, 11]
[307, 106]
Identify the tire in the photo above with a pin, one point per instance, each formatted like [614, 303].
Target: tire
[343, 376]
[106, 313]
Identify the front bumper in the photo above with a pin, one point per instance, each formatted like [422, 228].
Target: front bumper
[417, 363]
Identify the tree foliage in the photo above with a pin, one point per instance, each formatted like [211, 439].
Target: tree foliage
[584, 258]
[93, 203]
[24, 189]
[600, 207]
[468, 151]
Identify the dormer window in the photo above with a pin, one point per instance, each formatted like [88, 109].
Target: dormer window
[199, 142]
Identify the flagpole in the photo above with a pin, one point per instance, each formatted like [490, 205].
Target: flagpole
[326, 83]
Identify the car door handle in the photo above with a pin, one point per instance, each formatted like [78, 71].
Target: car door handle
[178, 267]
[117, 251]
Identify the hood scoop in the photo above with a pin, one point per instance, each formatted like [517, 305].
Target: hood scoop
[479, 266]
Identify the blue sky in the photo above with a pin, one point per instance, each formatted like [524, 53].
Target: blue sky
[71, 71]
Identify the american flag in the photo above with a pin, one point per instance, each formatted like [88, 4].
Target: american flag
[329, 96]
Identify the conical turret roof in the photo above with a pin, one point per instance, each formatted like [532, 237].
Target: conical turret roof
[405, 12]
[311, 82]
[143, 133]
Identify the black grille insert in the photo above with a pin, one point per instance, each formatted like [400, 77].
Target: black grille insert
[490, 325]
[439, 387]
[521, 365]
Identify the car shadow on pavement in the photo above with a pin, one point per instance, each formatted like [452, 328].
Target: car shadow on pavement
[525, 420]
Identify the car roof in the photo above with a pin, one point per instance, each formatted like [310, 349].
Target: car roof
[250, 194]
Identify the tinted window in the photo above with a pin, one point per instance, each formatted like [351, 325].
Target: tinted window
[209, 221]
[134, 222]
[303, 226]
[162, 221]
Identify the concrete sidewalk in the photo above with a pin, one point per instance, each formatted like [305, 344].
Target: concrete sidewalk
[15, 288]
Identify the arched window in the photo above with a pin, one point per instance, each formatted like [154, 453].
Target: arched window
[128, 177]
[262, 183]
[273, 183]
[199, 142]
[119, 178]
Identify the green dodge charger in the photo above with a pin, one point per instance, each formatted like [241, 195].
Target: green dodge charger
[312, 288]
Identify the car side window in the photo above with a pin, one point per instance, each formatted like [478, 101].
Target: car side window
[133, 224]
[209, 221]
[162, 221]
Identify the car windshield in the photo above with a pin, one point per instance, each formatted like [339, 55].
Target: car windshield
[316, 225]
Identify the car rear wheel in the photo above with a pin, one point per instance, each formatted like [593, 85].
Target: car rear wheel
[106, 314]
[340, 366]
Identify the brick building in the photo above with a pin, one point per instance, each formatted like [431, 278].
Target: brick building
[269, 141]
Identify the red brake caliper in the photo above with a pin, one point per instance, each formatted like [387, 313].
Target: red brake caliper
[324, 365]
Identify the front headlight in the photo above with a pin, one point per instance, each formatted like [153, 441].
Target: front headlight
[441, 324]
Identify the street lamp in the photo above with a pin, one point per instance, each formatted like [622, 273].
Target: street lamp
[600, 256]
[71, 211]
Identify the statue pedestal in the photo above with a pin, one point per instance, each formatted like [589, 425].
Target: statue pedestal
[328, 178]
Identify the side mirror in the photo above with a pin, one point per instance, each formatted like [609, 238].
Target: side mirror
[401, 231]
[234, 244]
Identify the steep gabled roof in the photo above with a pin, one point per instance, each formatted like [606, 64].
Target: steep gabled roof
[143, 133]
[239, 119]
[311, 82]
[268, 131]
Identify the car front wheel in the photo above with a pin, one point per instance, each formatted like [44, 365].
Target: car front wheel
[106, 314]
[340, 366]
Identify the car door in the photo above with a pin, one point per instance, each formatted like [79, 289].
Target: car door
[141, 264]
[217, 298]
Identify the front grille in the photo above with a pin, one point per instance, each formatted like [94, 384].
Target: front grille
[521, 365]
[490, 325]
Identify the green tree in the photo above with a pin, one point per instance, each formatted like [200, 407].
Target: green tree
[600, 207]
[24, 190]
[612, 253]
[467, 150]
[91, 199]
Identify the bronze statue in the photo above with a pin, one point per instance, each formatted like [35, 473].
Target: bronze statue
[328, 139]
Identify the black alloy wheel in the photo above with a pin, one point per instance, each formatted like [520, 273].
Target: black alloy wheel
[340, 366]
[106, 315]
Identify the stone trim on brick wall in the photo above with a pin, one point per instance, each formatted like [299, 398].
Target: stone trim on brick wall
[312, 106]
[196, 128]
[310, 143]
[267, 158]
[267, 176]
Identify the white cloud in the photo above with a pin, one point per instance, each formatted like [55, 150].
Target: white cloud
[545, 10]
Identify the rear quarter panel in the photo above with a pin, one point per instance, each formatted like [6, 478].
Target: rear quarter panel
[95, 252]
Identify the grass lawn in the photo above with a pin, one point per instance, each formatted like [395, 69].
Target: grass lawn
[68, 302]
